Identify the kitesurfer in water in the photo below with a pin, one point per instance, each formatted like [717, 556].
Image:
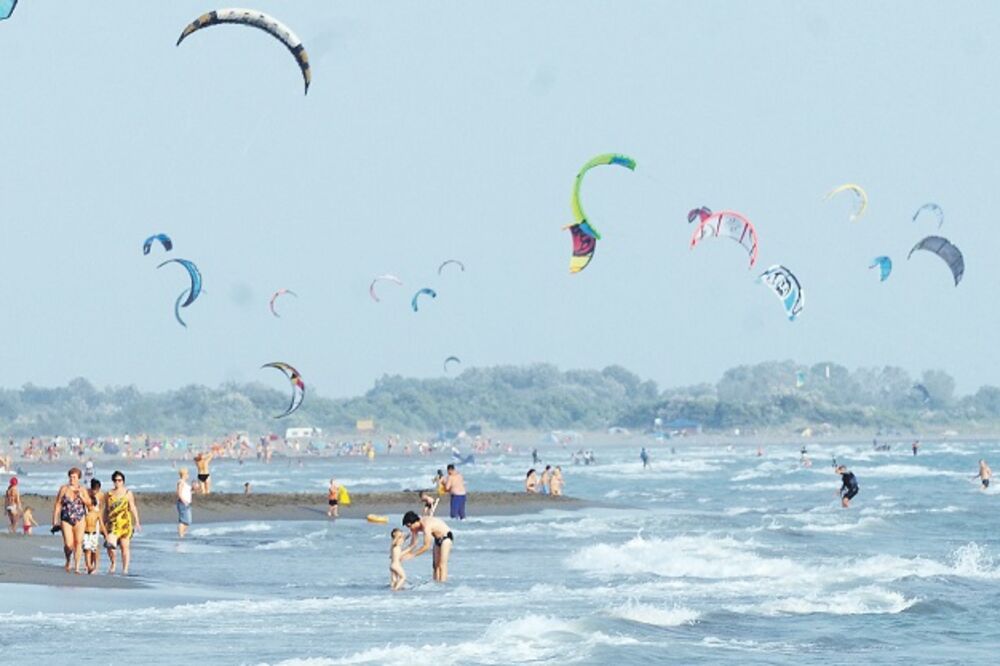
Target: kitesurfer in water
[915, 446]
[849, 486]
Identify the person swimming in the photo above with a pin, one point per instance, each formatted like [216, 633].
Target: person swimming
[849, 486]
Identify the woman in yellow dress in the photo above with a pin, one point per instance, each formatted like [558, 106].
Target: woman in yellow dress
[122, 520]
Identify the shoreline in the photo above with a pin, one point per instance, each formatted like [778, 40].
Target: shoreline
[19, 555]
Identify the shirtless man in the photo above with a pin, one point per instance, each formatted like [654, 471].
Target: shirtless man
[546, 478]
[204, 476]
[455, 486]
[985, 474]
[433, 529]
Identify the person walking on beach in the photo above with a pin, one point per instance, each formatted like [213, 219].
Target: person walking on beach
[455, 486]
[93, 527]
[333, 499]
[433, 530]
[184, 499]
[12, 504]
[121, 517]
[984, 475]
[68, 512]
[204, 475]
[644, 457]
[849, 486]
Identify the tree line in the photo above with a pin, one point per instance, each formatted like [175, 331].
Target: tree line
[539, 396]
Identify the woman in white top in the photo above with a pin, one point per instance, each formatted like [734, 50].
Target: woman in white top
[183, 503]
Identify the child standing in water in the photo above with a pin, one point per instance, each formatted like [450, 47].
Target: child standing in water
[28, 521]
[396, 574]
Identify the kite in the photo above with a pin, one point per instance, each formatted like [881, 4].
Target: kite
[164, 239]
[451, 261]
[262, 21]
[727, 223]
[931, 208]
[298, 386]
[884, 267]
[925, 395]
[786, 287]
[7, 8]
[451, 359]
[584, 235]
[195, 274]
[425, 290]
[280, 292]
[387, 278]
[177, 307]
[943, 248]
[860, 196]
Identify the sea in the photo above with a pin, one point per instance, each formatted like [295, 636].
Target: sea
[712, 555]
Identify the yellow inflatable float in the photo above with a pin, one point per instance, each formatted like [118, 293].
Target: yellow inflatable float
[372, 518]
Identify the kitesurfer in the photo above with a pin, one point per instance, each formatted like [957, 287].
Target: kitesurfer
[849, 486]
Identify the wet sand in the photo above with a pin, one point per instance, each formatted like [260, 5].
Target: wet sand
[18, 564]
[227, 507]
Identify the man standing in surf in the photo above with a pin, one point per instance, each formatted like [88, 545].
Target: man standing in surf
[849, 486]
[433, 529]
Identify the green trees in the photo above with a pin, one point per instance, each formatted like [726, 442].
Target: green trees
[779, 394]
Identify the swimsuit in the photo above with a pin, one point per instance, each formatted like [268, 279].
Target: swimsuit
[90, 542]
[986, 483]
[440, 540]
[203, 477]
[183, 513]
[73, 510]
[119, 517]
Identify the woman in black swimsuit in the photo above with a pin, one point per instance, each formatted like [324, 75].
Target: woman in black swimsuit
[67, 516]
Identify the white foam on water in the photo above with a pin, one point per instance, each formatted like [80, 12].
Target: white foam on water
[754, 646]
[230, 529]
[865, 522]
[654, 615]
[870, 600]
[305, 541]
[682, 557]
[530, 638]
[899, 470]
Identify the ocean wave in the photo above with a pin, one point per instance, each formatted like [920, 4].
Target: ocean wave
[654, 615]
[871, 600]
[530, 638]
[243, 528]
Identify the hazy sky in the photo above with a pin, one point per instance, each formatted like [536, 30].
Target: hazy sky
[454, 129]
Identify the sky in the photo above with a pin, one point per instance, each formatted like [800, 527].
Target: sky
[439, 130]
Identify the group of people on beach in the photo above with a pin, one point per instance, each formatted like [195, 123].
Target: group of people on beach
[84, 515]
[549, 483]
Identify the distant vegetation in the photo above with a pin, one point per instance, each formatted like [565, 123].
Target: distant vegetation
[767, 395]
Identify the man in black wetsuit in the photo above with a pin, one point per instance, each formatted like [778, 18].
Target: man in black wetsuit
[849, 486]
